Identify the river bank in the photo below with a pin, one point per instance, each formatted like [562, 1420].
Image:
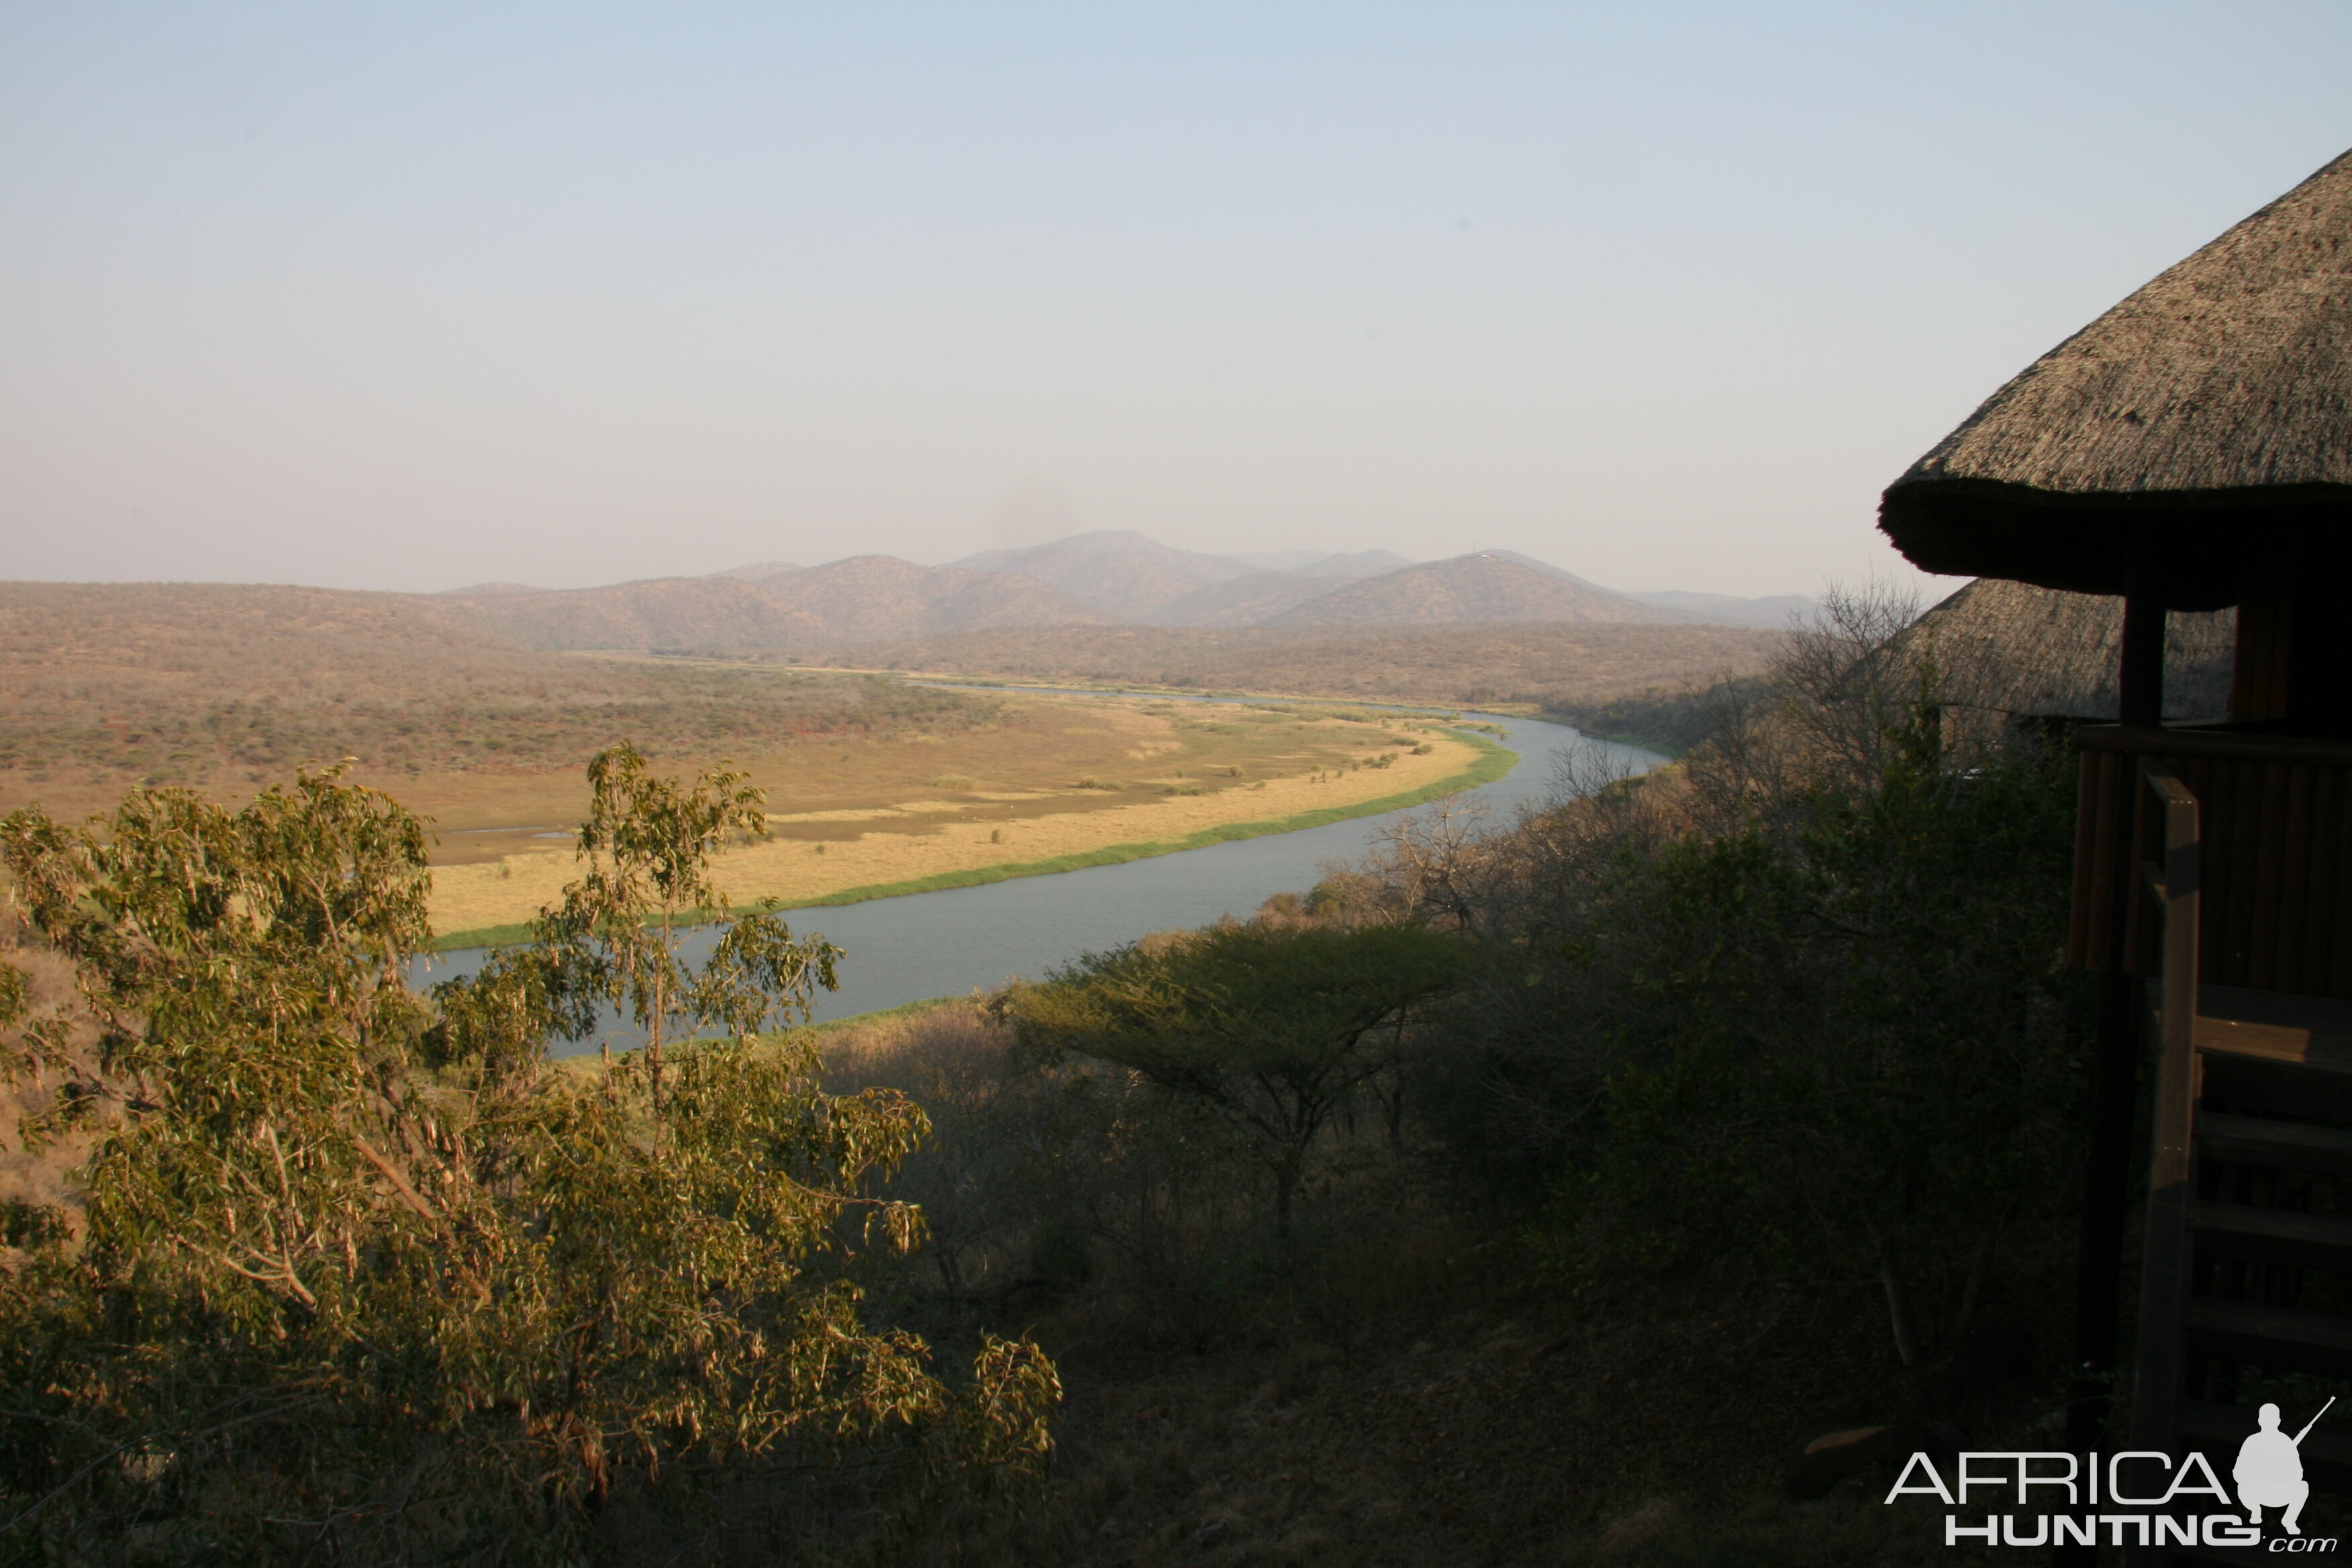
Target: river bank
[1345, 767]
[954, 940]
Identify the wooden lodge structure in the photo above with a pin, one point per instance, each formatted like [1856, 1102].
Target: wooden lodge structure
[2192, 450]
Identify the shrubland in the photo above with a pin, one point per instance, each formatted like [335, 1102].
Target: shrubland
[1740, 1106]
[107, 686]
[1539, 665]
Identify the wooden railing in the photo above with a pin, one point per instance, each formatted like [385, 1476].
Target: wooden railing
[2275, 910]
[2171, 882]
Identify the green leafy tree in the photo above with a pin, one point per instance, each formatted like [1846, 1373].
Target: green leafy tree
[1276, 1027]
[646, 849]
[358, 1273]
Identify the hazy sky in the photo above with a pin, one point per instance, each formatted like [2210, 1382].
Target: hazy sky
[411, 296]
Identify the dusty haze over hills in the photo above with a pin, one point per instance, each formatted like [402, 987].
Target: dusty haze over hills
[1093, 579]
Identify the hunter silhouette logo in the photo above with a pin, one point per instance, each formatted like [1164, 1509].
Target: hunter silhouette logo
[2166, 1500]
[2269, 1471]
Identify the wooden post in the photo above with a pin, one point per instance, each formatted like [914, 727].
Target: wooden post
[2140, 680]
[2164, 1276]
[2114, 1073]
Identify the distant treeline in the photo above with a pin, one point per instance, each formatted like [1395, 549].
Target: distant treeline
[1550, 665]
[1672, 722]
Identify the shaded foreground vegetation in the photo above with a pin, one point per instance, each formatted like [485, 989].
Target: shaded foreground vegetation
[1530, 1193]
[1741, 1108]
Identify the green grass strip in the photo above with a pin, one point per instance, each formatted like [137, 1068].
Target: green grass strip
[484, 936]
[860, 1020]
[1494, 763]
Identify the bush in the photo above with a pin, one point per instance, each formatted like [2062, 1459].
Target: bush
[355, 1271]
[1797, 1003]
[1278, 1028]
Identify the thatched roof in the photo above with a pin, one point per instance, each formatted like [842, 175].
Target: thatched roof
[2206, 415]
[2004, 649]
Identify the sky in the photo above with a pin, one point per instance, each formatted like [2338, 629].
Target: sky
[412, 296]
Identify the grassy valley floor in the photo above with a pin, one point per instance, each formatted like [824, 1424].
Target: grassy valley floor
[1060, 783]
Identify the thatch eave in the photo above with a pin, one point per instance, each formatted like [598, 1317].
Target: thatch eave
[2205, 418]
[2194, 545]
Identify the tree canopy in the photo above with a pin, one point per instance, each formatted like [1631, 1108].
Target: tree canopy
[1275, 1026]
[359, 1270]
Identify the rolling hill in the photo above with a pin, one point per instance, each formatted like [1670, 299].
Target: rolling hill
[1126, 576]
[1773, 610]
[1136, 580]
[1319, 563]
[1243, 600]
[658, 612]
[874, 596]
[861, 599]
[1103, 578]
[1484, 586]
[1100, 579]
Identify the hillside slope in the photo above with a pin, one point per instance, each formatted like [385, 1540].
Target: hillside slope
[1106, 577]
[1125, 576]
[1774, 610]
[1244, 601]
[658, 612]
[863, 598]
[233, 641]
[876, 596]
[1481, 587]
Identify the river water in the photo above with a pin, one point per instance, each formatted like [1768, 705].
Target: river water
[949, 943]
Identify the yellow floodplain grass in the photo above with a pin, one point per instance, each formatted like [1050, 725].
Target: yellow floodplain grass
[955, 836]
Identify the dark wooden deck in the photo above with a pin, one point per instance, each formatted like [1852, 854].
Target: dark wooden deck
[2215, 869]
[2275, 855]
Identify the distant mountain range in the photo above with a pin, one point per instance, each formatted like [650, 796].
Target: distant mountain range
[1089, 579]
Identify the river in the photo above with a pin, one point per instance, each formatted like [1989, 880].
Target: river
[949, 942]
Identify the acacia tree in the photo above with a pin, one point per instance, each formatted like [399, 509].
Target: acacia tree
[1276, 1027]
[355, 1272]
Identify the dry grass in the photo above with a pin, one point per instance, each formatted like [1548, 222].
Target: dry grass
[226, 688]
[859, 815]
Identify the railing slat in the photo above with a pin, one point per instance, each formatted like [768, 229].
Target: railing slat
[2276, 818]
[2163, 1279]
[2321, 897]
[2088, 844]
[2338, 894]
[2295, 883]
[2269, 879]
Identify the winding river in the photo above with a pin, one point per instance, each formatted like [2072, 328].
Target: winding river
[951, 941]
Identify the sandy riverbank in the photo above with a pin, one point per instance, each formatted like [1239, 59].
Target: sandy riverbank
[946, 840]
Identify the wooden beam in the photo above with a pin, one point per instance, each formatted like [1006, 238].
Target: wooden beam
[2141, 676]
